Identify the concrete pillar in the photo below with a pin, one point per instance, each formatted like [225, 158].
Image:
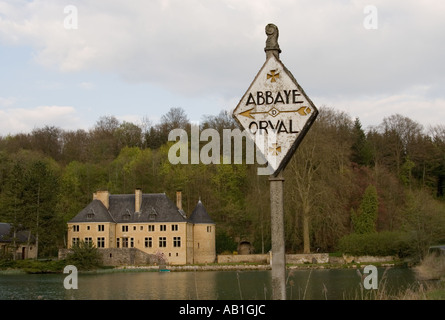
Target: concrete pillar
[277, 234]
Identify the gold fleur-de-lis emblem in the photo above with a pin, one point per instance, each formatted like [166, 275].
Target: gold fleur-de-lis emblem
[275, 149]
[273, 75]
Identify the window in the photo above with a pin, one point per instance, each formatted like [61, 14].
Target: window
[174, 227]
[75, 242]
[124, 242]
[90, 214]
[176, 242]
[88, 240]
[101, 242]
[134, 228]
[118, 243]
[163, 227]
[124, 228]
[101, 227]
[141, 228]
[151, 227]
[148, 242]
[76, 228]
[88, 227]
[209, 229]
[131, 242]
[162, 242]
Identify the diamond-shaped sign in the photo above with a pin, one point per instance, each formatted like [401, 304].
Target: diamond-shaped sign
[276, 113]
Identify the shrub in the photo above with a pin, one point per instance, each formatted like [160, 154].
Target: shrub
[84, 256]
[386, 243]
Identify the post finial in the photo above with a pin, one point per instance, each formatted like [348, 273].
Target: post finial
[272, 46]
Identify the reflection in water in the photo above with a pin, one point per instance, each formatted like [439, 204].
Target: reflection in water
[208, 285]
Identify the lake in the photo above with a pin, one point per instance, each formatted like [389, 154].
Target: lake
[315, 284]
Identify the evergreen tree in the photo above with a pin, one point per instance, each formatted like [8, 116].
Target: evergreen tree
[361, 148]
[365, 218]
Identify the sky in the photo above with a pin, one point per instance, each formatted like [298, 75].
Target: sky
[68, 63]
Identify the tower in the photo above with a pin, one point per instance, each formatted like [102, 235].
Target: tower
[204, 250]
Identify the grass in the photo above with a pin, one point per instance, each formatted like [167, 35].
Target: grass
[32, 266]
[432, 267]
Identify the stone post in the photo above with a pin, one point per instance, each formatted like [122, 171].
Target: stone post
[277, 234]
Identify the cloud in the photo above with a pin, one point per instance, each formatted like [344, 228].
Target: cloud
[20, 120]
[372, 110]
[197, 47]
[7, 102]
[86, 85]
[200, 49]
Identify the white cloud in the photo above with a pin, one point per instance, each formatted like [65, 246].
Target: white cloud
[7, 102]
[17, 120]
[372, 110]
[214, 48]
[86, 85]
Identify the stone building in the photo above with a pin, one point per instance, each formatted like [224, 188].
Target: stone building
[21, 244]
[151, 223]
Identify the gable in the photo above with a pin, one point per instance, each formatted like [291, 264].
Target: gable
[93, 212]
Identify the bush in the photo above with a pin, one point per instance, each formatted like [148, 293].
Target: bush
[84, 256]
[386, 243]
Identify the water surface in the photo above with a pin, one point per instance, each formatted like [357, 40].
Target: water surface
[331, 284]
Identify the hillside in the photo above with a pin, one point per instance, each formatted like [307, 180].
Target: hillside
[382, 187]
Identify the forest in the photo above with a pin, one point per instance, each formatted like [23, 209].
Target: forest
[347, 189]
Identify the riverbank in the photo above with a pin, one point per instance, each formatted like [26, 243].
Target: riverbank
[56, 266]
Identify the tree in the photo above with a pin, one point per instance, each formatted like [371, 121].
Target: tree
[41, 187]
[128, 135]
[361, 148]
[48, 141]
[365, 218]
[313, 174]
[104, 145]
[84, 256]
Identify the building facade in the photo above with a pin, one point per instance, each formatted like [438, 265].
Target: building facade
[20, 244]
[151, 223]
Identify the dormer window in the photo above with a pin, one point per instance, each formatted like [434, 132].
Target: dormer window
[90, 214]
[126, 216]
[152, 214]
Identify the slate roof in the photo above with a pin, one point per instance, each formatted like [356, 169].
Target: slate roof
[200, 215]
[155, 207]
[6, 234]
[93, 212]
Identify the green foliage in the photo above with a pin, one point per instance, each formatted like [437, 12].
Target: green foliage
[48, 175]
[33, 266]
[362, 153]
[385, 243]
[85, 256]
[364, 220]
[224, 243]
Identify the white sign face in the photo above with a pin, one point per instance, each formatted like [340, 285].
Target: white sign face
[276, 113]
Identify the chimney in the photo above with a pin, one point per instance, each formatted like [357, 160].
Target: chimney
[137, 200]
[179, 199]
[103, 196]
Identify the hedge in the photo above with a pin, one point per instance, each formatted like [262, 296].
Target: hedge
[386, 243]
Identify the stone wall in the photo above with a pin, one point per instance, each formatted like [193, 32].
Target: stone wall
[120, 257]
[307, 258]
[244, 258]
[366, 259]
[265, 258]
